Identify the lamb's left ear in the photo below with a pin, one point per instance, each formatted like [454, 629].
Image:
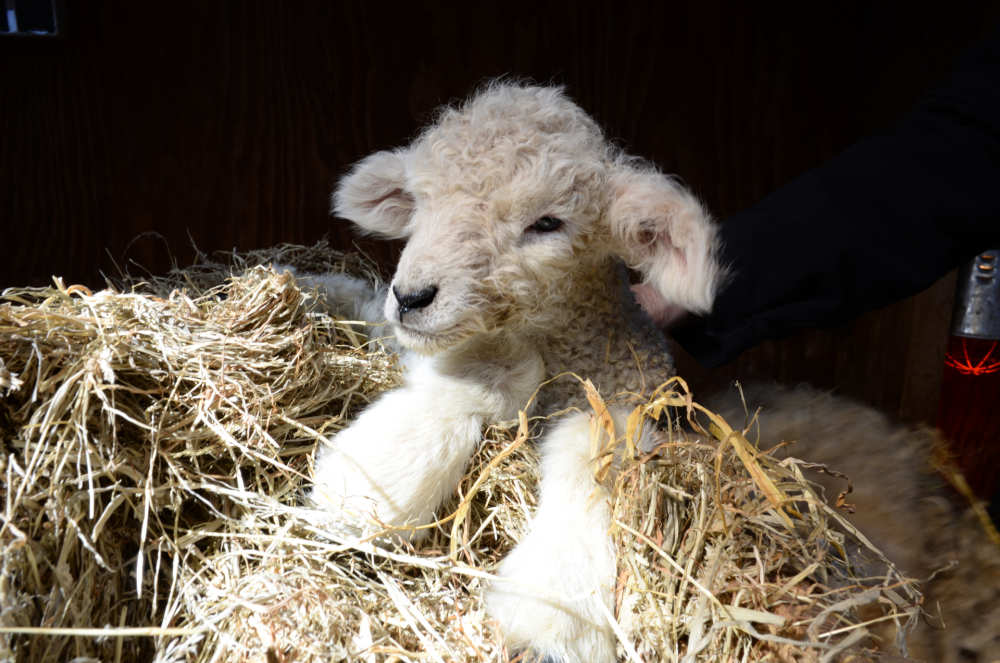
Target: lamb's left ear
[664, 232]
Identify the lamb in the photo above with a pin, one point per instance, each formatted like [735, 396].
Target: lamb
[519, 218]
[521, 222]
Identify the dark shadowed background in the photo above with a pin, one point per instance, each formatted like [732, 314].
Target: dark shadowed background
[151, 127]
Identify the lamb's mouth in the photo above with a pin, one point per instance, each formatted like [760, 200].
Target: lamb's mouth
[429, 342]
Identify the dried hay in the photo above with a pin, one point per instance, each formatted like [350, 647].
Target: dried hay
[157, 444]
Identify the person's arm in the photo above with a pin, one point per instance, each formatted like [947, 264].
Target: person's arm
[881, 221]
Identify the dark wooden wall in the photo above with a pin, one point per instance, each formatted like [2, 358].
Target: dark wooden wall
[152, 126]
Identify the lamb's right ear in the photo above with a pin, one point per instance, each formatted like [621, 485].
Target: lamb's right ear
[374, 196]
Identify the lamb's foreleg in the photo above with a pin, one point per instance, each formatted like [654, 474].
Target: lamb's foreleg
[407, 451]
[555, 588]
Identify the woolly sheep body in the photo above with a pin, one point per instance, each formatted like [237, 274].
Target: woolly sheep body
[505, 303]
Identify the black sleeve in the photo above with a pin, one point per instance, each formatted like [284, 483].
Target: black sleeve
[879, 222]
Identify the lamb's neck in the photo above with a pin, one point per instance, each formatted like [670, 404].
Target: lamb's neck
[602, 334]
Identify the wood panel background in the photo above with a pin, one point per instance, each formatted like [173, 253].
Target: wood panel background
[152, 127]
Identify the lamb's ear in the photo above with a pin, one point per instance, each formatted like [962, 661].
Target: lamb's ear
[374, 196]
[665, 233]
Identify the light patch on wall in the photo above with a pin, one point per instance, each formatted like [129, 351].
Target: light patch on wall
[32, 18]
[11, 18]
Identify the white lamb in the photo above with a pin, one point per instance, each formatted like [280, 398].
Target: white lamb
[520, 219]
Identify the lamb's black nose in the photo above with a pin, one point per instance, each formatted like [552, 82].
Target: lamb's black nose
[414, 300]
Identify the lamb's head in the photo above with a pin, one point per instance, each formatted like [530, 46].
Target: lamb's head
[506, 202]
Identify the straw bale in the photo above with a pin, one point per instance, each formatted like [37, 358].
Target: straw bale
[157, 446]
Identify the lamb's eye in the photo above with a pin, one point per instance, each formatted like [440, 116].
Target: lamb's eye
[546, 224]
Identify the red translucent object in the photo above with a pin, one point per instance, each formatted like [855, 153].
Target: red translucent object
[986, 361]
[970, 409]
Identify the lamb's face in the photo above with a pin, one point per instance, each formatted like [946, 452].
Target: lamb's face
[473, 264]
[507, 205]
[503, 202]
